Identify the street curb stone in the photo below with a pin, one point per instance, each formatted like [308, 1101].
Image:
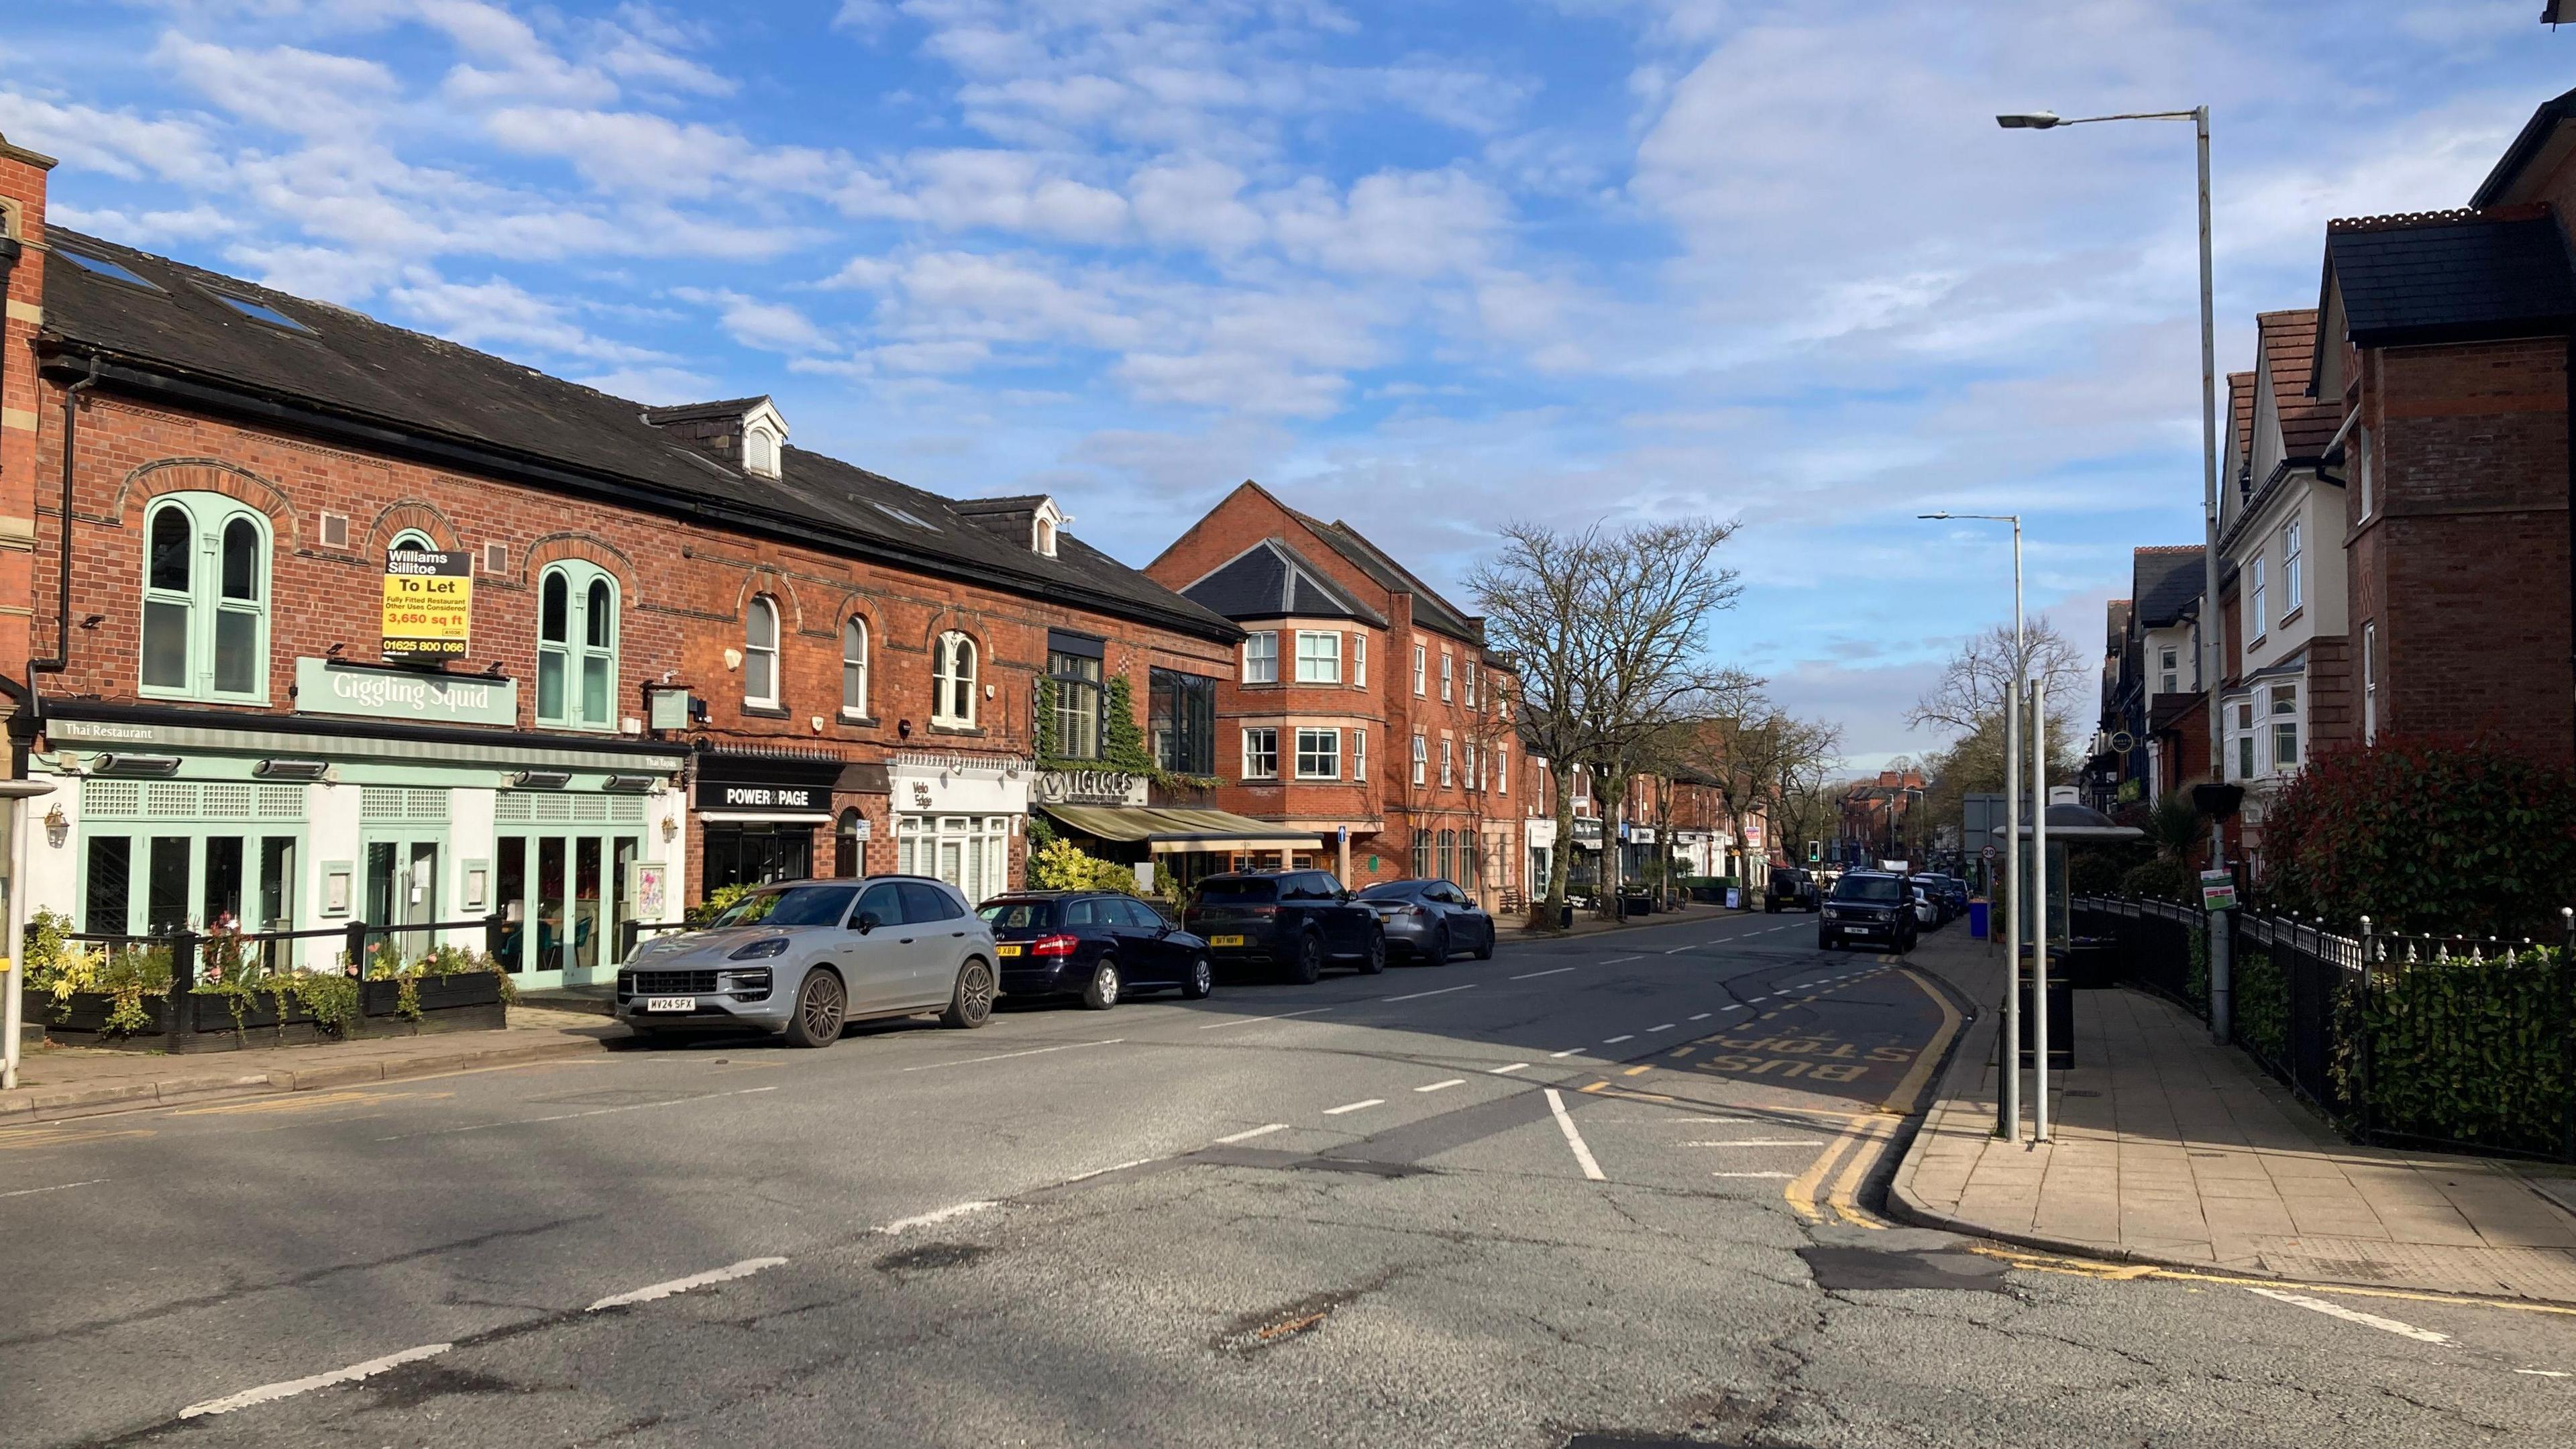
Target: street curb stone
[29, 1104]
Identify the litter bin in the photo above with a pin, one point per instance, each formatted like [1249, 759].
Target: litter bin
[1977, 911]
[2061, 1018]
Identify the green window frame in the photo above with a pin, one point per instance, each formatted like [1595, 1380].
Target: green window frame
[205, 599]
[577, 646]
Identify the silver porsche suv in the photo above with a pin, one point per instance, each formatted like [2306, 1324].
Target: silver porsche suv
[803, 959]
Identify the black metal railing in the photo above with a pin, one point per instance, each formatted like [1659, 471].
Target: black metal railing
[2452, 1043]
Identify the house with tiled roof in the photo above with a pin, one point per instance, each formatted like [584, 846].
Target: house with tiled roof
[2281, 569]
[1365, 710]
[2152, 674]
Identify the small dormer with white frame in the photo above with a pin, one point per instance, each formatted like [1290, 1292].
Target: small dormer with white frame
[746, 433]
[764, 440]
[1046, 522]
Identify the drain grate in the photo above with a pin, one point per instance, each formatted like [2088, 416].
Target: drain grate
[1840, 1268]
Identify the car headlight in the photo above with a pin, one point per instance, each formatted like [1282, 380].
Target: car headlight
[760, 950]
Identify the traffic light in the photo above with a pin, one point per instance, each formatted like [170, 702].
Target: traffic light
[1815, 852]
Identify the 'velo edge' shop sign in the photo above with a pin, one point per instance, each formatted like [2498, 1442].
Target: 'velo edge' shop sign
[321, 688]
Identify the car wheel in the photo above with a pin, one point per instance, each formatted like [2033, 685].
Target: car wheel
[1437, 953]
[1375, 961]
[1824, 942]
[1485, 952]
[820, 1005]
[1201, 980]
[970, 1005]
[1309, 967]
[1770, 908]
[1102, 992]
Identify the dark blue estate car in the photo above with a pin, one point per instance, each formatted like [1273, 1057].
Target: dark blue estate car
[1098, 945]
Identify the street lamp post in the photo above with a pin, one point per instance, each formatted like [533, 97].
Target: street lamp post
[2008, 1099]
[2221, 976]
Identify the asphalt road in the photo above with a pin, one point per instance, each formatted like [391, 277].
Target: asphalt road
[1621, 1185]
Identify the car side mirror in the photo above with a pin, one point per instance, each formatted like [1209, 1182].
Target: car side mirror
[867, 922]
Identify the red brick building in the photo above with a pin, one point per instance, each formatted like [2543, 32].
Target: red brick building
[658, 650]
[1364, 709]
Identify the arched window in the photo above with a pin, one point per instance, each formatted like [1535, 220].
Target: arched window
[205, 599]
[854, 669]
[760, 452]
[412, 538]
[952, 681]
[577, 646]
[849, 849]
[760, 653]
[1046, 538]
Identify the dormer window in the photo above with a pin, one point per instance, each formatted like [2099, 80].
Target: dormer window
[1046, 521]
[760, 451]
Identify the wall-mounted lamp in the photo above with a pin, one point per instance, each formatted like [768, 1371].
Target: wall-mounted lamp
[631, 784]
[290, 769]
[58, 826]
[92, 621]
[542, 779]
[334, 651]
[670, 827]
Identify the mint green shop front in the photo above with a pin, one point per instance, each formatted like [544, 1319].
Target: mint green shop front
[164, 819]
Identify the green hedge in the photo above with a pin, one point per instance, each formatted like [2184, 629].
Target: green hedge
[2470, 1051]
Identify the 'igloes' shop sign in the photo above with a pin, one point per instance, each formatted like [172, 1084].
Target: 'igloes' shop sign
[323, 688]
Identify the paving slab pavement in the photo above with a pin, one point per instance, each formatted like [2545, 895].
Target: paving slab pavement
[56, 1082]
[2170, 1149]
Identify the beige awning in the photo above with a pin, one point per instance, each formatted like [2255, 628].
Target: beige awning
[1173, 832]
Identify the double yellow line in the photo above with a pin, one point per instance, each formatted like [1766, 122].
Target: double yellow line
[1864, 1141]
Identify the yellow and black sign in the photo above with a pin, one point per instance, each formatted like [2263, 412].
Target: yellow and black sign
[429, 604]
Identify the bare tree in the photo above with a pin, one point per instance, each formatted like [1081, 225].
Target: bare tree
[1759, 756]
[1606, 627]
[1971, 688]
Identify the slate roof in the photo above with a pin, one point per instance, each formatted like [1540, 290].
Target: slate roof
[732, 407]
[2164, 581]
[1270, 580]
[2448, 277]
[2530, 145]
[1429, 609]
[405, 390]
[2289, 341]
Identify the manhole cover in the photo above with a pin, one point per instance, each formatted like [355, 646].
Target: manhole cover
[1841, 1268]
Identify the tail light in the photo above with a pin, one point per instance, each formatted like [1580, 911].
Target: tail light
[1261, 910]
[1054, 945]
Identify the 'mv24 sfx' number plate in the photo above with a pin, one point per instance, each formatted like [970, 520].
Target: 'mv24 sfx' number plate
[670, 1003]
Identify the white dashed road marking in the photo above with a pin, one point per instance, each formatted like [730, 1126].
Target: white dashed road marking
[1668, 1026]
[1559, 1056]
[57, 1187]
[1762, 1142]
[1436, 1086]
[1574, 1139]
[1003, 1056]
[1773, 1176]
[1445, 990]
[1703, 1016]
[2353, 1315]
[940, 1215]
[1251, 1020]
[1261, 1131]
[1534, 975]
[1354, 1106]
[1506, 1071]
[1631, 1036]
[270, 1393]
[650, 1292]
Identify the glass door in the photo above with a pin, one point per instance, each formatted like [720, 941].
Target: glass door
[563, 897]
[402, 890]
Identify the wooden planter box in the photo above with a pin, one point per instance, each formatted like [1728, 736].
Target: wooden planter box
[470, 1002]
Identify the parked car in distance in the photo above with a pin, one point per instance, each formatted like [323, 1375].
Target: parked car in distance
[803, 959]
[1868, 906]
[1957, 890]
[1098, 945]
[1936, 894]
[1429, 919]
[1792, 889]
[1295, 920]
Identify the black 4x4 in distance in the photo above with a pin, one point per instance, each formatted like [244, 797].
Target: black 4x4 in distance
[1296, 920]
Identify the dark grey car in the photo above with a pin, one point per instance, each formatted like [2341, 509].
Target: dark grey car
[1431, 919]
[803, 959]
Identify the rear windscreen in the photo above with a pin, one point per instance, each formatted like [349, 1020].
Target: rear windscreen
[1237, 893]
[1019, 915]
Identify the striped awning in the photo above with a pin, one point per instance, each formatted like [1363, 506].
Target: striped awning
[1173, 832]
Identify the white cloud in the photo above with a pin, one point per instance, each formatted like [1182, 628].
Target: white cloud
[1399, 223]
[496, 313]
[304, 92]
[754, 323]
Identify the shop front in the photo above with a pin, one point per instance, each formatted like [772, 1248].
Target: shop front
[165, 819]
[1106, 812]
[758, 811]
[961, 817]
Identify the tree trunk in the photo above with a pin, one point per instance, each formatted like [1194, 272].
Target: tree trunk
[1562, 773]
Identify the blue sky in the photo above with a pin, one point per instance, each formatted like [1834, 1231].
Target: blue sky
[1424, 266]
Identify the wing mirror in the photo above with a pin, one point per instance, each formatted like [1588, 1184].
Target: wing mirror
[867, 922]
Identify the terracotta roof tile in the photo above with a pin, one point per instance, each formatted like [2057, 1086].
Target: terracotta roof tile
[2289, 345]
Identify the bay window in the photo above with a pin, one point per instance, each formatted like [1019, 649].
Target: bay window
[1319, 656]
[1319, 754]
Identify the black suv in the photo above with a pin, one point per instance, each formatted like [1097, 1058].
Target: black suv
[1296, 919]
[1866, 906]
[1099, 945]
[1791, 889]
